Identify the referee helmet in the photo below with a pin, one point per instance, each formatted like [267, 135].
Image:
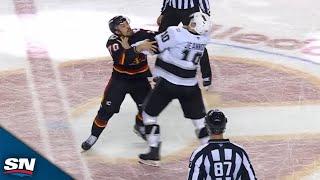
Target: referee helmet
[215, 121]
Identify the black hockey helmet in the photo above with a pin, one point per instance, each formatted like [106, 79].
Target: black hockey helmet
[215, 121]
[115, 21]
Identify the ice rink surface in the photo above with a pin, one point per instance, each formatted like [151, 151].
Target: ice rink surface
[266, 63]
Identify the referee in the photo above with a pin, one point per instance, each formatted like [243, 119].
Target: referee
[219, 159]
[175, 11]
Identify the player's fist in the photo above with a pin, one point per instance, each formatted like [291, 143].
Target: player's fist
[147, 45]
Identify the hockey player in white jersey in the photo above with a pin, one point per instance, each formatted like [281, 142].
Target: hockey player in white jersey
[180, 50]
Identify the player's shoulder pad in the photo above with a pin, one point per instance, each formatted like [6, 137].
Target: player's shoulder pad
[113, 37]
[143, 31]
[135, 30]
[174, 29]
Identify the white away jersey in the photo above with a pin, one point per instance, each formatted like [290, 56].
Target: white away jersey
[180, 53]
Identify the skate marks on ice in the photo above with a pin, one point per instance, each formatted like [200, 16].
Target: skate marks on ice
[237, 84]
[240, 87]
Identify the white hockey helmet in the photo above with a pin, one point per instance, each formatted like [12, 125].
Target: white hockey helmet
[200, 22]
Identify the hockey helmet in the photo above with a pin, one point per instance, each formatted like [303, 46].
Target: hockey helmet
[115, 21]
[200, 22]
[215, 121]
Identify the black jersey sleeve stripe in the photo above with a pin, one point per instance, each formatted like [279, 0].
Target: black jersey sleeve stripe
[233, 167]
[205, 6]
[210, 157]
[164, 5]
[248, 166]
[195, 167]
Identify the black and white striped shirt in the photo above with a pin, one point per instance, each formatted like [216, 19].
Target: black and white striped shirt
[204, 5]
[220, 160]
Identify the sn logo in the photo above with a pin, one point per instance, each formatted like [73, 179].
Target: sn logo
[19, 166]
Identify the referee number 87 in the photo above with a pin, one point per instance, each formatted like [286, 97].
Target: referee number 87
[219, 170]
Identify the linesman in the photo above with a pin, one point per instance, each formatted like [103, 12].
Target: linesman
[175, 11]
[220, 159]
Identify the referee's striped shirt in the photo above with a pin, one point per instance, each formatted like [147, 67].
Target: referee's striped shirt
[187, 4]
[220, 160]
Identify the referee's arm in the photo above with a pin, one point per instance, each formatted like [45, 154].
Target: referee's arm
[196, 167]
[204, 6]
[164, 6]
[248, 171]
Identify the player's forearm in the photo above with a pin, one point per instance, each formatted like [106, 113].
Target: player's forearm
[205, 65]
